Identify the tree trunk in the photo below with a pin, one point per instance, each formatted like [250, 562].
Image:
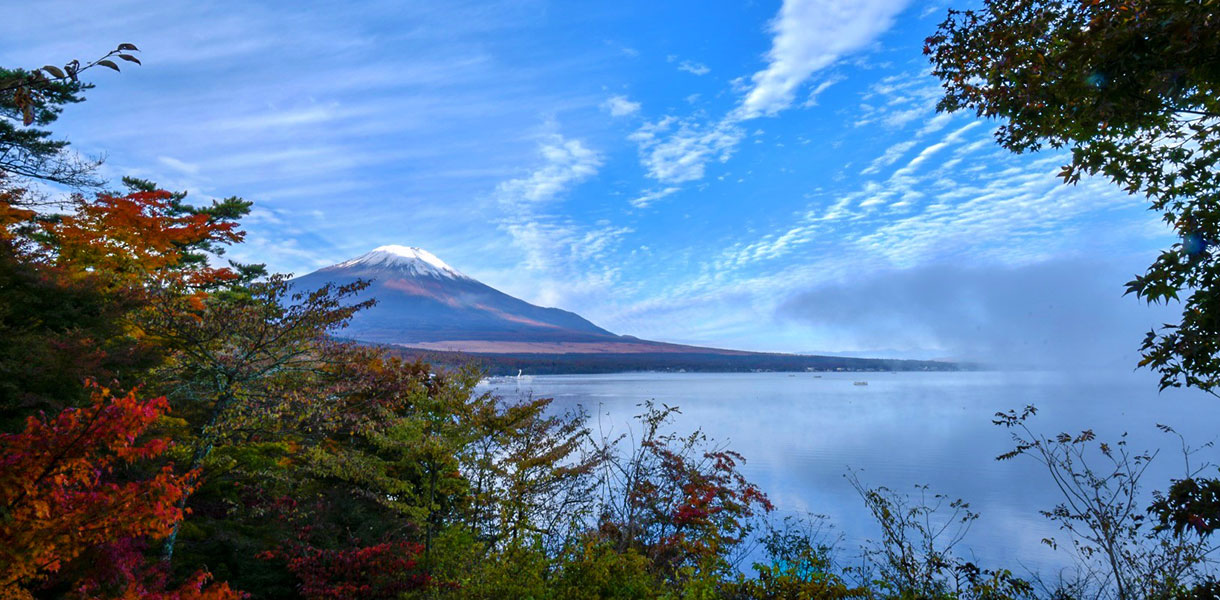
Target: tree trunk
[206, 441]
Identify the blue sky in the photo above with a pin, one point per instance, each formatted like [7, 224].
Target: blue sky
[765, 175]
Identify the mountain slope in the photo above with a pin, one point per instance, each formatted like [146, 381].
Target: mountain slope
[420, 299]
[431, 311]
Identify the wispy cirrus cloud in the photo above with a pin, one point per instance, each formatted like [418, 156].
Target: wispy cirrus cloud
[410, 133]
[899, 99]
[566, 259]
[807, 36]
[889, 157]
[945, 195]
[565, 163]
[649, 197]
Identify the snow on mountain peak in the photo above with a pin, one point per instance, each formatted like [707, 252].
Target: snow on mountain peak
[416, 261]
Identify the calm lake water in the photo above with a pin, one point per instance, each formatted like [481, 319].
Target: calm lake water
[800, 433]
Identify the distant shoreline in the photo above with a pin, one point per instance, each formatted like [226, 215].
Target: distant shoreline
[588, 364]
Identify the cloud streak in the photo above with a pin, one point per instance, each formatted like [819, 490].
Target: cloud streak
[649, 197]
[566, 260]
[808, 36]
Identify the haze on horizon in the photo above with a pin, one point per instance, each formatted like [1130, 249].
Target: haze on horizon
[763, 177]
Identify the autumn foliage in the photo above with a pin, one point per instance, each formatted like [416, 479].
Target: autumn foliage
[295, 465]
[140, 237]
[384, 570]
[61, 493]
[77, 290]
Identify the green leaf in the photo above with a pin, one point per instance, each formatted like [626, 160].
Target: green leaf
[55, 71]
[108, 63]
[126, 46]
[130, 58]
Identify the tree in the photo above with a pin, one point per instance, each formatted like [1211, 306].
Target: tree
[239, 353]
[30, 99]
[60, 498]
[75, 289]
[681, 501]
[385, 570]
[1132, 88]
[1100, 484]
[531, 474]
[799, 565]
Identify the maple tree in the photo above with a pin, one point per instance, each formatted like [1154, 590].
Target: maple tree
[144, 237]
[79, 286]
[385, 570]
[60, 497]
[329, 561]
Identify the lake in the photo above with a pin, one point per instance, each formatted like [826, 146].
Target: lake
[800, 433]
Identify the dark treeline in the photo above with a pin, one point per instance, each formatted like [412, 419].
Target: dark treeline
[556, 364]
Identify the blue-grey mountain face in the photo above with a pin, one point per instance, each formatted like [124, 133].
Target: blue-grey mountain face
[422, 299]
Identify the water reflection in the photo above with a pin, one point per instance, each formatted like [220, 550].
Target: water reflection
[802, 433]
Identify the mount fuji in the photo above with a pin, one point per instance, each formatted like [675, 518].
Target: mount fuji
[423, 302]
[427, 308]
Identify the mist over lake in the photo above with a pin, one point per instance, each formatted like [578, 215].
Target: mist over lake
[801, 433]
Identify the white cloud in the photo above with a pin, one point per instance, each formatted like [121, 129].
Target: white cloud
[675, 150]
[569, 261]
[889, 157]
[570, 264]
[567, 163]
[900, 99]
[179, 165]
[935, 123]
[647, 198]
[812, 100]
[694, 68]
[810, 35]
[620, 106]
[1007, 212]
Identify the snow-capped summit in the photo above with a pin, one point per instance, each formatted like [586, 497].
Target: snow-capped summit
[407, 259]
